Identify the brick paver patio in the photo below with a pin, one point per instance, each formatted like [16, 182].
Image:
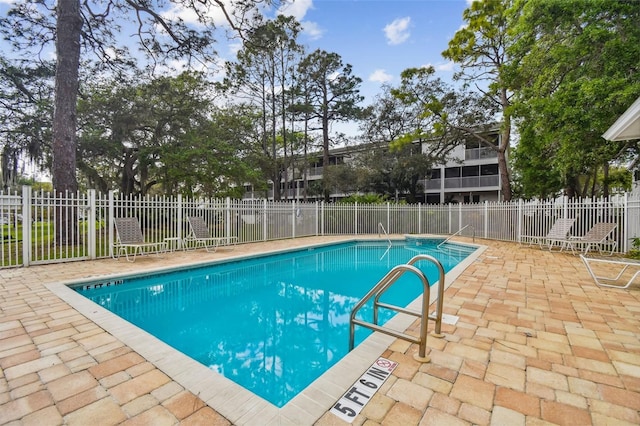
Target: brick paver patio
[536, 343]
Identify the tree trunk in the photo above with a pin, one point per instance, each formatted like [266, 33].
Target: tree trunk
[325, 158]
[69, 26]
[505, 141]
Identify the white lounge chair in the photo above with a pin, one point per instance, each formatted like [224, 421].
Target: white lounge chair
[557, 234]
[619, 270]
[129, 236]
[596, 237]
[200, 235]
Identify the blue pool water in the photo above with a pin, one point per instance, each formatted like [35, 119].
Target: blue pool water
[274, 323]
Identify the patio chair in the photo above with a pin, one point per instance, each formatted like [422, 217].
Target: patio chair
[596, 237]
[557, 234]
[200, 235]
[129, 236]
[612, 265]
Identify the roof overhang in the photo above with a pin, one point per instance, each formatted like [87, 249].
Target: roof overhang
[627, 126]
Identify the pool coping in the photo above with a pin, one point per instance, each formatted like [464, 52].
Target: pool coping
[231, 400]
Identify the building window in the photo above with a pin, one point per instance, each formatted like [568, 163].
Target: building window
[470, 171]
[488, 169]
[452, 172]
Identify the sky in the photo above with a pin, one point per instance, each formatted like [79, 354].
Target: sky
[378, 38]
[381, 38]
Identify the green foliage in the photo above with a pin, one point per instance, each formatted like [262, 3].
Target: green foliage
[480, 50]
[163, 135]
[26, 109]
[394, 172]
[634, 253]
[332, 94]
[574, 69]
[264, 76]
[364, 199]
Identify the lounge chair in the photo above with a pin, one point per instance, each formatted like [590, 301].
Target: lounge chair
[596, 237]
[619, 265]
[200, 235]
[129, 236]
[558, 234]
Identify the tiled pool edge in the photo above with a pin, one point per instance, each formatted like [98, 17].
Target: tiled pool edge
[237, 404]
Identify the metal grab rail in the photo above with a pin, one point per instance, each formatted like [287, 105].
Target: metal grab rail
[384, 231]
[458, 232]
[384, 284]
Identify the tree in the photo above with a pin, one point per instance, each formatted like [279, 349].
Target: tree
[332, 95]
[26, 107]
[448, 117]
[480, 48]
[263, 76]
[34, 24]
[164, 133]
[396, 172]
[575, 68]
[389, 119]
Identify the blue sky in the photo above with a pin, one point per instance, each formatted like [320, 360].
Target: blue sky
[381, 38]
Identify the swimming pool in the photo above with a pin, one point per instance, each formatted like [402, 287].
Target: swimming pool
[225, 396]
[290, 309]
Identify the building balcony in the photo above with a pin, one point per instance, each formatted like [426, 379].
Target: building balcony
[479, 153]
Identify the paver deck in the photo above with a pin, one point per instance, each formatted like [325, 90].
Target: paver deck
[536, 343]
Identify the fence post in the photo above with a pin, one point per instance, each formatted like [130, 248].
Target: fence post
[294, 216]
[322, 218]
[227, 221]
[179, 216]
[355, 217]
[519, 221]
[26, 226]
[110, 212]
[419, 218]
[264, 220]
[486, 218]
[625, 223]
[388, 218]
[91, 223]
[317, 219]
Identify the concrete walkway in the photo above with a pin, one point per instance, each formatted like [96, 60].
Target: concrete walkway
[536, 343]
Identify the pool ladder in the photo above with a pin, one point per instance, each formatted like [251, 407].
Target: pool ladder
[383, 285]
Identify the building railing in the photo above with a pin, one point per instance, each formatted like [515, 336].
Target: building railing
[37, 228]
[480, 153]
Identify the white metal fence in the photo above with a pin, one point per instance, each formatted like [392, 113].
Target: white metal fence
[40, 228]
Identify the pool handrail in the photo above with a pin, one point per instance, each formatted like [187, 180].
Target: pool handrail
[458, 232]
[384, 231]
[384, 284]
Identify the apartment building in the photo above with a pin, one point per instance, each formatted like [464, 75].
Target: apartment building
[470, 176]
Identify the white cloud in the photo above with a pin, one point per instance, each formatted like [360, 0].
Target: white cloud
[398, 31]
[312, 30]
[296, 8]
[443, 66]
[210, 10]
[380, 76]
[189, 16]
